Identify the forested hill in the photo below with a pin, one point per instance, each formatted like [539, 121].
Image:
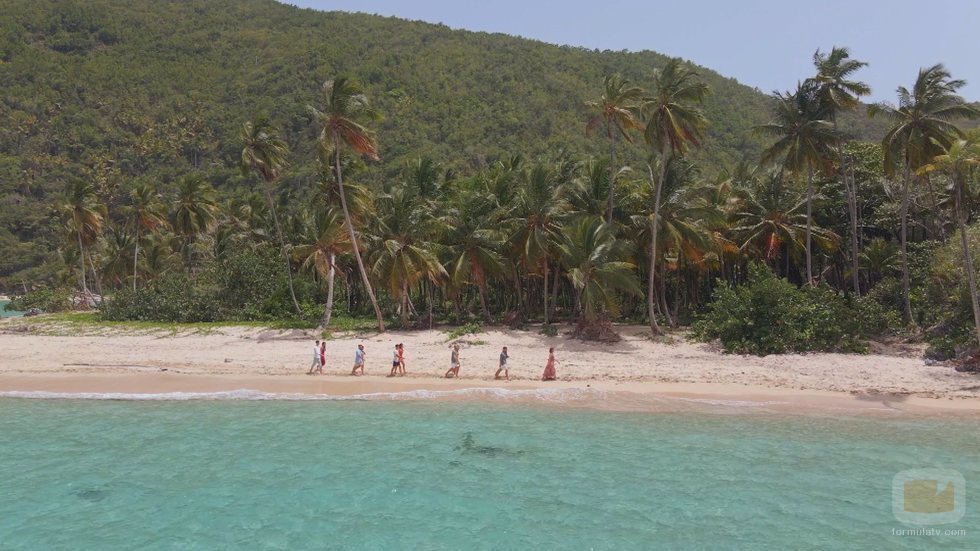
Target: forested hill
[121, 91]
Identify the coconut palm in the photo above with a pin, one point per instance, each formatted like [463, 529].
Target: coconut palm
[596, 266]
[474, 237]
[536, 217]
[674, 122]
[195, 213]
[616, 109]
[959, 162]
[118, 244]
[401, 253]
[880, 258]
[326, 239]
[836, 93]
[772, 220]
[346, 110]
[149, 215]
[85, 216]
[805, 142]
[922, 128]
[265, 153]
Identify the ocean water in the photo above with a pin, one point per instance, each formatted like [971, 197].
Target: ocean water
[8, 313]
[388, 474]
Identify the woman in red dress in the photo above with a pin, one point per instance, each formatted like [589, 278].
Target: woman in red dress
[549, 368]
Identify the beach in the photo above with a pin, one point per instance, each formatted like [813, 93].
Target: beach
[275, 362]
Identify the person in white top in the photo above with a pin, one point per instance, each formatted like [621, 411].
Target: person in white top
[316, 358]
[358, 360]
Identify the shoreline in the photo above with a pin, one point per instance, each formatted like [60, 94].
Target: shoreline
[600, 395]
[636, 373]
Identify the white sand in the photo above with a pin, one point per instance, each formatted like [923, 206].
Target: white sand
[232, 355]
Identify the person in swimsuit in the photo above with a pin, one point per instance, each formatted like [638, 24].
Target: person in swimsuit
[549, 368]
[358, 360]
[503, 365]
[453, 363]
[323, 357]
[395, 362]
[316, 358]
[401, 358]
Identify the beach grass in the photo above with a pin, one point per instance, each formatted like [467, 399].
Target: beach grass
[89, 324]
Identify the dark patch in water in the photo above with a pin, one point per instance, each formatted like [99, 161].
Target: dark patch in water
[469, 446]
[90, 494]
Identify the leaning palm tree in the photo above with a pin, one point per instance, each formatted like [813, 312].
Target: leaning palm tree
[149, 215]
[616, 109]
[674, 122]
[959, 162]
[837, 92]
[805, 141]
[922, 129]
[341, 121]
[195, 213]
[85, 217]
[264, 152]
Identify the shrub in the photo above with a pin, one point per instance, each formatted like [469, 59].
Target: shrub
[172, 298]
[769, 315]
[47, 299]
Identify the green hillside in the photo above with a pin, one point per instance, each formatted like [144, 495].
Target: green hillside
[118, 92]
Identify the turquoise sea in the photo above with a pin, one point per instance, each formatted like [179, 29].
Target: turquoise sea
[241, 474]
[8, 313]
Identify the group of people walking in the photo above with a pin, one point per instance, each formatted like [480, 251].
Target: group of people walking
[398, 362]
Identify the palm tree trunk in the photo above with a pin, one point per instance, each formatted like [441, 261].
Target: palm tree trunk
[935, 209]
[282, 247]
[663, 295]
[971, 277]
[136, 255]
[612, 171]
[328, 308]
[404, 311]
[353, 238]
[483, 303]
[809, 224]
[851, 190]
[905, 251]
[98, 280]
[545, 294]
[555, 287]
[81, 254]
[654, 226]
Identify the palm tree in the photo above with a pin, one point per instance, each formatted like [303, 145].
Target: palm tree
[474, 238]
[149, 215]
[539, 205]
[616, 109]
[674, 123]
[770, 220]
[85, 218]
[880, 258]
[596, 266]
[922, 129]
[836, 93]
[959, 161]
[195, 213]
[326, 239]
[805, 140]
[264, 152]
[346, 109]
[403, 255]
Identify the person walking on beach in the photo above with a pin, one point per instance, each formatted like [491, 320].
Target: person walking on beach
[323, 357]
[549, 368]
[502, 366]
[401, 358]
[358, 360]
[453, 363]
[395, 361]
[316, 358]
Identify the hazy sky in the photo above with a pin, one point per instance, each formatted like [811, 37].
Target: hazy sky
[762, 43]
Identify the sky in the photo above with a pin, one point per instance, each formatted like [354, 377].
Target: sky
[761, 43]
